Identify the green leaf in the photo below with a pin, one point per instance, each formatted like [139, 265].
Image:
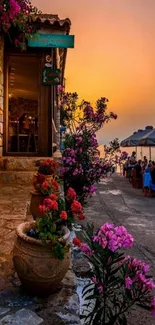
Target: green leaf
[144, 306]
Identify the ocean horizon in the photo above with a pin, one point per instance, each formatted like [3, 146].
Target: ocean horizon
[141, 151]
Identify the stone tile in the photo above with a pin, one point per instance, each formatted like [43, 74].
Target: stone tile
[22, 317]
[4, 311]
[11, 224]
[14, 216]
[3, 232]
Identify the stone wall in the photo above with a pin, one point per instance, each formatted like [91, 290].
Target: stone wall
[1, 92]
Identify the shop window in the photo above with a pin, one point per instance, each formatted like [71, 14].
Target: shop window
[23, 101]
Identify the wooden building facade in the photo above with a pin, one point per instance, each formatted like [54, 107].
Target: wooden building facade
[28, 108]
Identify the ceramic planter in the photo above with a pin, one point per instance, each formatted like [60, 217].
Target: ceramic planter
[38, 270]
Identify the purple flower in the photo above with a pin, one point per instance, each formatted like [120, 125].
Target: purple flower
[86, 249]
[128, 282]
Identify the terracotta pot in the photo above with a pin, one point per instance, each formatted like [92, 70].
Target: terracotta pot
[38, 271]
[36, 199]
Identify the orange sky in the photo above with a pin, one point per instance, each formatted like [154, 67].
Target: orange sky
[114, 56]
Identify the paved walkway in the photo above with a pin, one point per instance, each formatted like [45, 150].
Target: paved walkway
[13, 206]
[117, 202]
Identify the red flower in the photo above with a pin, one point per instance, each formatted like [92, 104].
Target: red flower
[81, 216]
[53, 197]
[63, 215]
[76, 207]
[55, 185]
[45, 185]
[71, 194]
[77, 242]
[51, 163]
[51, 204]
[42, 209]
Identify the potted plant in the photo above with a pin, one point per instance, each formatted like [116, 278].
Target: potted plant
[48, 168]
[43, 188]
[116, 282]
[41, 252]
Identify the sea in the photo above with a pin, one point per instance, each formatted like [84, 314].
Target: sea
[141, 151]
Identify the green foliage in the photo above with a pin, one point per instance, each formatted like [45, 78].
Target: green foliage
[59, 251]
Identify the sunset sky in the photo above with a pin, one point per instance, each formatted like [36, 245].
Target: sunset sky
[114, 57]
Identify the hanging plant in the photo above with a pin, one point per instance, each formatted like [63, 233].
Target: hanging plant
[18, 15]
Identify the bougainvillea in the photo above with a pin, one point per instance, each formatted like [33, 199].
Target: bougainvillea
[18, 14]
[81, 157]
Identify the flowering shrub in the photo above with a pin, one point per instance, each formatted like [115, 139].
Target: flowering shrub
[54, 215]
[81, 158]
[117, 282]
[17, 13]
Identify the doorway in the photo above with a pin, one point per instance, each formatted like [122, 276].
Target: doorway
[22, 100]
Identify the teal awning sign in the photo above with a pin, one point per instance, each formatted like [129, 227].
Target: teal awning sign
[52, 40]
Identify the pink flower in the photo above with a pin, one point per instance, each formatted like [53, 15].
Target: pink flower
[153, 306]
[86, 250]
[113, 244]
[102, 242]
[100, 288]
[106, 227]
[128, 282]
[94, 280]
[128, 241]
[59, 88]
[144, 283]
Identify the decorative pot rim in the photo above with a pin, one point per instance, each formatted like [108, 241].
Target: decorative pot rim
[26, 226]
[36, 193]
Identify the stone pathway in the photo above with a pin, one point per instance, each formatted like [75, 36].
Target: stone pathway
[116, 201]
[13, 208]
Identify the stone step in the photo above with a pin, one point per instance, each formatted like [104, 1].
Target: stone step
[16, 177]
[19, 163]
[18, 170]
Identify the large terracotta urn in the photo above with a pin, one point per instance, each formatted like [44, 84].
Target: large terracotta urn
[39, 272]
[36, 199]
